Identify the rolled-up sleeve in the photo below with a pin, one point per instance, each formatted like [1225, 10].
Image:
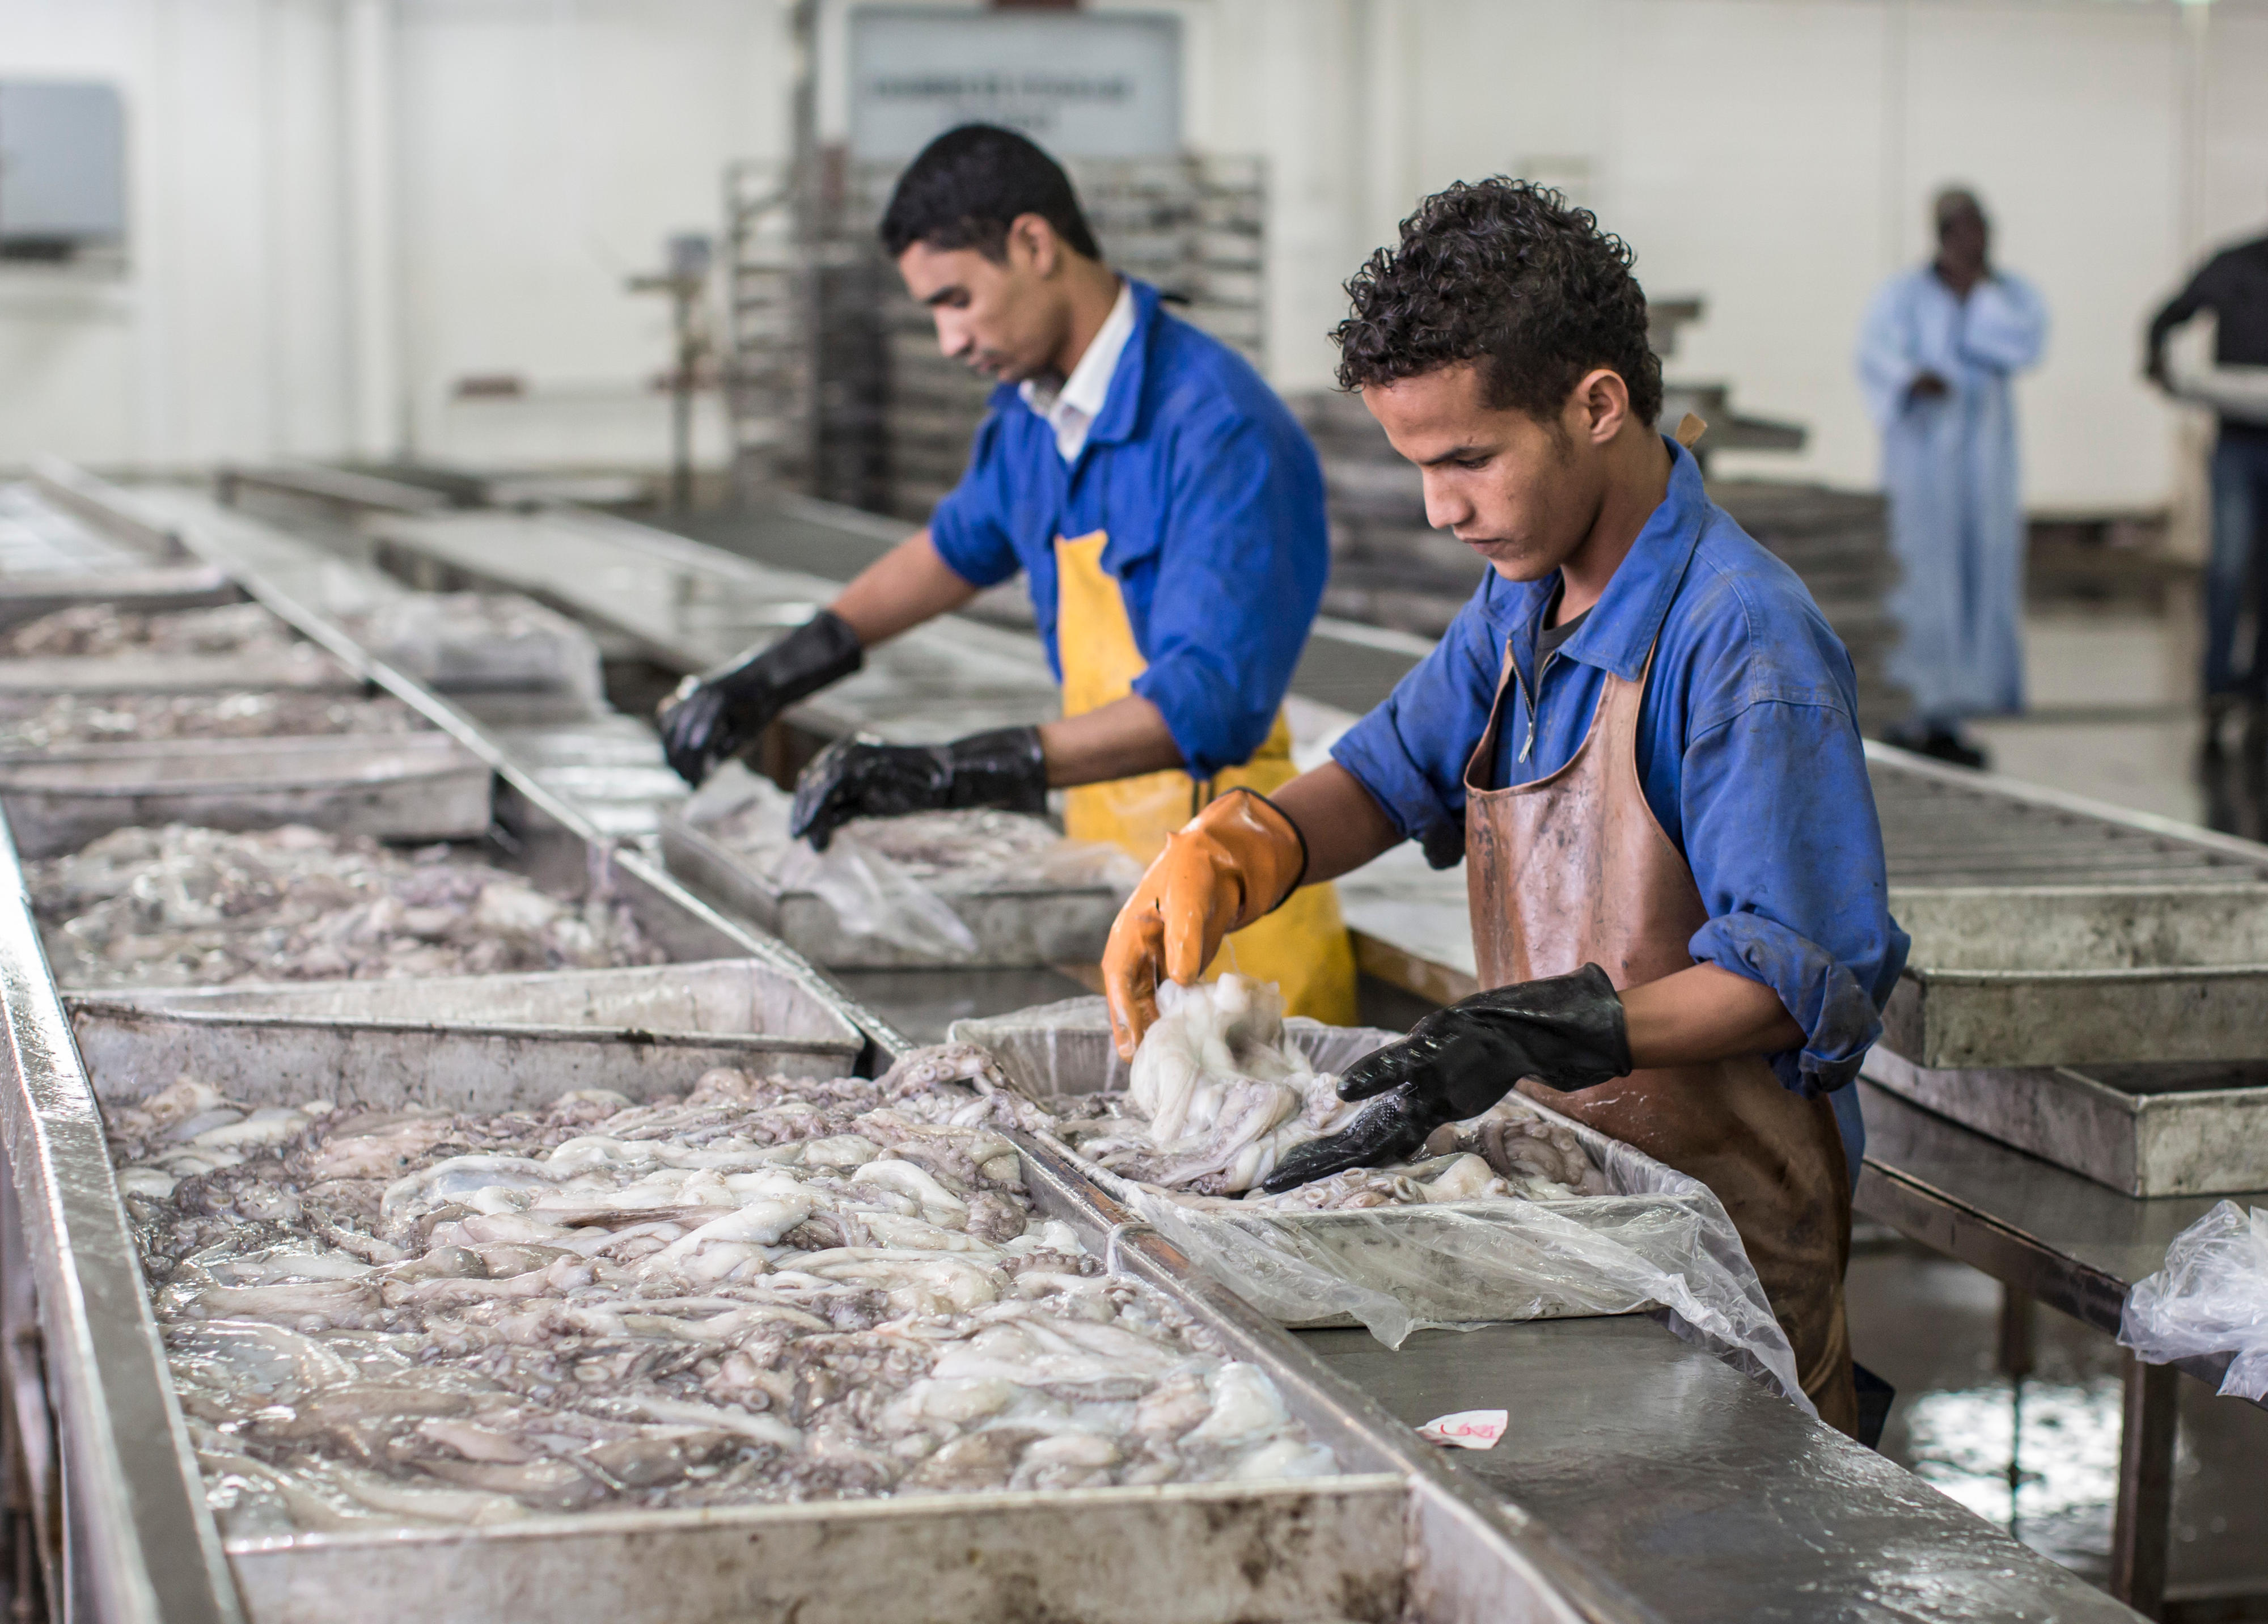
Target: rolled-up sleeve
[1410, 752]
[966, 528]
[1240, 568]
[1781, 834]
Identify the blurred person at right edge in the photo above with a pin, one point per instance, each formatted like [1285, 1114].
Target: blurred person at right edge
[1941, 343]
[2233, 289]
[1639, 736]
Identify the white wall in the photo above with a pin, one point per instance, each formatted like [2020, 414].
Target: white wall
[1774, 156]
[540, 152]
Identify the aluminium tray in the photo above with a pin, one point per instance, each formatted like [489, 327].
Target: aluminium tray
[1391, 1536]
[402, 787]
[475, 1042]
[1399, 1248]
[2049, 929]
[301, 666]
[1013, 925]
[2194, 1129]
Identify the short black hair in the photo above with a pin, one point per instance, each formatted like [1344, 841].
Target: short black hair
[1504, 273]
[970, 184]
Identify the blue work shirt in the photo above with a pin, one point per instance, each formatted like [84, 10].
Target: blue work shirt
[1748, 755]
[1212, 499]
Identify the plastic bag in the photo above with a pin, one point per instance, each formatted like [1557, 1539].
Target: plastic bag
[2211, 1298]
[1661, 1245]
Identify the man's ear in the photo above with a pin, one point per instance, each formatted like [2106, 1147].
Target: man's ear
[1602, 403]
[1032, 239]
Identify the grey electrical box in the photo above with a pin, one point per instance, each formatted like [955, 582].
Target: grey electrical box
[63, 168]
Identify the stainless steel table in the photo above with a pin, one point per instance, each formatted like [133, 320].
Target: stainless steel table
[2066, 1241]
[1708, 1496]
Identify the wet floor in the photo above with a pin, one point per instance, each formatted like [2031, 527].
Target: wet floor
[2038, 1455]
[2115, 716]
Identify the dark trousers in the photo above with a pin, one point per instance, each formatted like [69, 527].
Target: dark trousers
[2237, 574]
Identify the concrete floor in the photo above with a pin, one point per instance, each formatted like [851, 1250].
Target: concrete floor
[2115, 716]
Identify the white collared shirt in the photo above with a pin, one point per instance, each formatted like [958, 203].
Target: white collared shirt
[1071, 409]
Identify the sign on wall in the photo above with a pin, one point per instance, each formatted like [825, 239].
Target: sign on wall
[1082, 84]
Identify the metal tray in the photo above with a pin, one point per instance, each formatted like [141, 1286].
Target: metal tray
[405, 787]
[2049, 929]
[1398, 1246]
[1022, 925]
[2199, 1128]
[1390, 1538]
[475, 1042]
[27, 597]
[299, 666]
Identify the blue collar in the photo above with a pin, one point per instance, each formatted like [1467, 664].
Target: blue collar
[1620, 630]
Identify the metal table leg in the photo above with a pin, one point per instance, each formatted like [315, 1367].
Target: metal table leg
[2146, 1487]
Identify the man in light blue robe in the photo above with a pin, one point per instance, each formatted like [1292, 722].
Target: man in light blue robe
[1940, 346]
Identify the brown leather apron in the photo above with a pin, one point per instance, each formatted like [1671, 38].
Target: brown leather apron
[1573, 869]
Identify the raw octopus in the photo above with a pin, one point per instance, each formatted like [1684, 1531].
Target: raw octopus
[75, 719]
[181, 905]
[1217, 1094]
[762, 1290]
[96, 629]
[949, 852]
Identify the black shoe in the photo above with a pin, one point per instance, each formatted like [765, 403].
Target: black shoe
[1946, 745]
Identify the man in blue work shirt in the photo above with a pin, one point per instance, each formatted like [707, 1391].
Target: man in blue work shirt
[1639, 733]
[1165, 508]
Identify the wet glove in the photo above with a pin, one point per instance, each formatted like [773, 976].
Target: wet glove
[1566, 1032]
[1234, 861]
[849, 779]
[715, 716]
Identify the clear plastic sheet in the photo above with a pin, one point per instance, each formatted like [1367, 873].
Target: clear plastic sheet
[1661, 1245]
[892, 878]
[2211, 1298]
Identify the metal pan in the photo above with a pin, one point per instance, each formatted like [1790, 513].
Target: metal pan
[2195, 1128]
[1339, 1546]
[1416, 1254]
[2044, 975]
[299, 666]
[1014, 926]
[473, 1042]
[403, 787]
[2050, 929]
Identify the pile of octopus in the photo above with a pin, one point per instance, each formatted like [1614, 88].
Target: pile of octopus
[1639, 734]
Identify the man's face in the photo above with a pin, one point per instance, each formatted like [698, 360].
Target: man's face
[1964, 239]
[998, 318]
[1520, 493]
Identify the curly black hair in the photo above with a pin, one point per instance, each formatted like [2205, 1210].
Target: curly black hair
[1508, 274]
[973, 182]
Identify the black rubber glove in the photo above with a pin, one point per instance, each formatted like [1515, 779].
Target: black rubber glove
[716, 716]
[847, 780]
[1566, 1031]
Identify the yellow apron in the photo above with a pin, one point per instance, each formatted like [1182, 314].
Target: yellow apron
[1302, 947]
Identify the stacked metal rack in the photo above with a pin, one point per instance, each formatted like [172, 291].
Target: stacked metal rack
[830, 360]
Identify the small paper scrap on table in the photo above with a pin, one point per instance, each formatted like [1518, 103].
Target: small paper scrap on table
[1466, 1430]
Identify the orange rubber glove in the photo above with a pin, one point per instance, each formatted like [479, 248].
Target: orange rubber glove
[1234, 862]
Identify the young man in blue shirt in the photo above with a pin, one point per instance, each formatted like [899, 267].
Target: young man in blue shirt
[1165, 508]
[1639, 733]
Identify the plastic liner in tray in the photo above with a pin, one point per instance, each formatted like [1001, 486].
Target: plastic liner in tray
[855, 907]
[402, 787]
[1661, 1243]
